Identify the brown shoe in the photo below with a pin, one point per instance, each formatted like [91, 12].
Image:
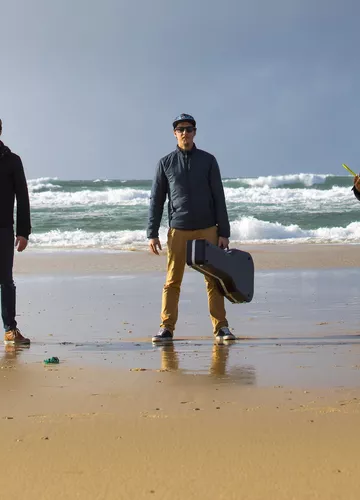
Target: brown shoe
[14, 337]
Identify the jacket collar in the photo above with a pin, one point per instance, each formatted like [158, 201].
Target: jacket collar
[183, 151]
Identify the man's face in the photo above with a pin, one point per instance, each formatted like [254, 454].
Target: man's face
[185, 133]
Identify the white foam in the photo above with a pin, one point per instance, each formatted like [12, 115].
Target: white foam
[252, 230]
[120, 196]
[296, 200]
[42, 183]
[282, 180]
[123, 240]
[43, 179]
[245, 230]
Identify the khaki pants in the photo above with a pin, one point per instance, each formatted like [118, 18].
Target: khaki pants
[176, 260]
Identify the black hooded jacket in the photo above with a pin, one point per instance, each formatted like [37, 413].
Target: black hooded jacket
[356, 193]
[13, 186]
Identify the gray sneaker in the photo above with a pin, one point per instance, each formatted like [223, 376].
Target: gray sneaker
[163, 335]
[224, 334]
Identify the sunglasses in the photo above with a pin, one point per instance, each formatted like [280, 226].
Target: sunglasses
[188, 129]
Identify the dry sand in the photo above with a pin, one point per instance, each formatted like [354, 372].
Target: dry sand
[273, 417]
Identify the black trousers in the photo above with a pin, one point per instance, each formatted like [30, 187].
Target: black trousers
[8, 289]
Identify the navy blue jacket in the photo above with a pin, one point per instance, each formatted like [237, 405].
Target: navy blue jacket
[13, 185]
[192, 182]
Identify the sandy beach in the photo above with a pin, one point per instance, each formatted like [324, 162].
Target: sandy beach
[273, 416]
[295, 256]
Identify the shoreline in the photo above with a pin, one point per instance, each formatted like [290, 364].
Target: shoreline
[266, 257]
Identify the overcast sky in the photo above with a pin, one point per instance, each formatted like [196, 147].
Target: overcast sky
[89, 89]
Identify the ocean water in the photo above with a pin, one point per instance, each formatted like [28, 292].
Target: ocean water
[112, 214]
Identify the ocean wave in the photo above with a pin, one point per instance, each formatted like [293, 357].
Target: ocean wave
[124, 240]
[122, 196]
[43, 179]
[247, 230]
[42, 183]
[274, 181]
[282, 180]
[295, 200]
[252, 230]
[279, 199]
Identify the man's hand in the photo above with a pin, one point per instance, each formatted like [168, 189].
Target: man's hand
[154, 244]
[357, 182]
[223, 242]
[20, 243]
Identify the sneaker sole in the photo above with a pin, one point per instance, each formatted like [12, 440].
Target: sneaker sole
[222, 340]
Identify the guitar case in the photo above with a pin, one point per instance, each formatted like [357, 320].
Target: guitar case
[232, 269]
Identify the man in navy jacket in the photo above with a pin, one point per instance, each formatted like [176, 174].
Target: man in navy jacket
[190, 178]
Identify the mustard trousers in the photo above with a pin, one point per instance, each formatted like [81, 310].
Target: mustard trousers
[176, 260]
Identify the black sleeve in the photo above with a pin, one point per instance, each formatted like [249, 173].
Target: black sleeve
[356, 193]
[157, 199]
[217, 190]
[23, 223]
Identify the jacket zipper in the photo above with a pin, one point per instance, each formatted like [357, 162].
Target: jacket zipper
[187, 170]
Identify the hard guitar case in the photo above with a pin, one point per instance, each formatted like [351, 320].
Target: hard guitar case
[233, 269]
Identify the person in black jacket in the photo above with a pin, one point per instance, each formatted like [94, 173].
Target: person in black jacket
[190, 179]
[12, 185]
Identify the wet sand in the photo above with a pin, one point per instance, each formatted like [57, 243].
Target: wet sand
[274, 415]
[77, 432]
[265, 257]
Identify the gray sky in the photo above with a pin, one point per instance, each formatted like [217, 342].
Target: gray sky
[89, 89]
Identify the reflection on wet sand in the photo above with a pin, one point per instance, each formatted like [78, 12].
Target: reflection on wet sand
[11, 352]
[12, 378]
[169, 358]
[244, 375]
